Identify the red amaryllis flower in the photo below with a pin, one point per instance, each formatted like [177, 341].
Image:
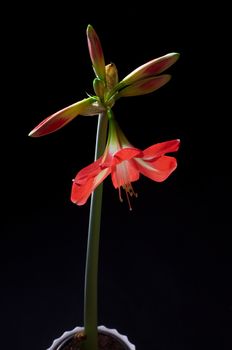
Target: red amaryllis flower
[125, 163]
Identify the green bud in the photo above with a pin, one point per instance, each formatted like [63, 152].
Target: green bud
[99, 87]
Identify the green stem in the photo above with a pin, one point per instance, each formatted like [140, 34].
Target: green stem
[91, 269]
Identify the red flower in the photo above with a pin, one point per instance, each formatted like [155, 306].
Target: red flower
[125, 163]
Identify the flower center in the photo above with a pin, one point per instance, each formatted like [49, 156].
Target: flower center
[123, 180]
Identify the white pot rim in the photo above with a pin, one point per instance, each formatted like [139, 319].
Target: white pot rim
[57, 343]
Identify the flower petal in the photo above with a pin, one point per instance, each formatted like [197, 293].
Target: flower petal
[158, 169]
[124, 173]
[87, 106]
[81, 191]
[90, 170]
[96, 53]
[126, 154]
[151, 68]
[144, 86]
[160, 149]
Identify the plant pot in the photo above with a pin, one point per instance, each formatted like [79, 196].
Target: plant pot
[109, 339]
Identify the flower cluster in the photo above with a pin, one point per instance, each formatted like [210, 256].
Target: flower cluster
[120, 159]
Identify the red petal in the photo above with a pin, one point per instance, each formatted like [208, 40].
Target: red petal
[160, 149]
[126, 154]
[81, 191]
[124, 173]
[90, 170]
[157, 170]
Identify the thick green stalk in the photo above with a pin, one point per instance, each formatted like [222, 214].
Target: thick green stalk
[91, 270]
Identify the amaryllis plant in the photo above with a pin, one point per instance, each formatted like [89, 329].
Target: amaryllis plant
[114, 154]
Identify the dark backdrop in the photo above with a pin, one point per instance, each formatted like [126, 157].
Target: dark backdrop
[165, 267]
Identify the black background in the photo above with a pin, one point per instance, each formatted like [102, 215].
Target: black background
[165, 267]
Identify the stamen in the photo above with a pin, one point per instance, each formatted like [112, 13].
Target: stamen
[129, 192]
[123, 180]
[128, 200]
[120, 194]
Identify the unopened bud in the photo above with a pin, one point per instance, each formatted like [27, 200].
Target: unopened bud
[111, 76]
[99, 87]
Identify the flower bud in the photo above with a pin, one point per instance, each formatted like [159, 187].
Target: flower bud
[111, 76]
[99, 87]
[96, 53]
